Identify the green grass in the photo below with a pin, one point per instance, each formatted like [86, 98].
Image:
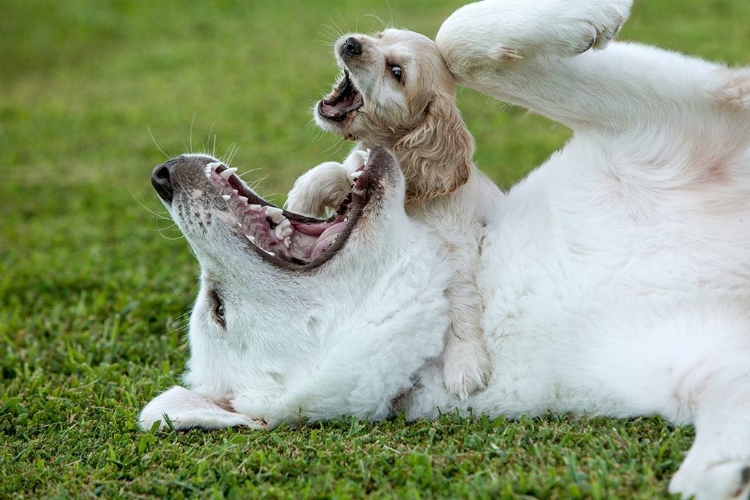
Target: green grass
[95, 283]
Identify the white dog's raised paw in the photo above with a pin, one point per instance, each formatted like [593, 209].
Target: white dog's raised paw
[510, 30]
[722, 481]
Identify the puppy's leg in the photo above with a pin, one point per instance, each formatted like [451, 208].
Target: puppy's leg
[527, 53]
[323, 186]
[187, 409]
[466, 362]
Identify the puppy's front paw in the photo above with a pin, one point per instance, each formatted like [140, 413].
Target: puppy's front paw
[322, 187]
[466, 367]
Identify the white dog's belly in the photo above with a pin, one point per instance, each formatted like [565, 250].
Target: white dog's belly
[574, 272]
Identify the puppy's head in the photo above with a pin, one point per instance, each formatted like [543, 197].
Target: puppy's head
[397, 92]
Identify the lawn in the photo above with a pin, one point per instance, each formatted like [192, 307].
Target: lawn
[95, 283]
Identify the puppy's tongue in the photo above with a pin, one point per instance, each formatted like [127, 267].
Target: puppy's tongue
[341, 104]
[327, 238]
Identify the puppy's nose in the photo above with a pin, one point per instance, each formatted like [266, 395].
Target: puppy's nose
[352, 47]
[160, 179]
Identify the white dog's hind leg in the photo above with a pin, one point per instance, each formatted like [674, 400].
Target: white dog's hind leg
[186, 410]
[524, 53]
[691, 364]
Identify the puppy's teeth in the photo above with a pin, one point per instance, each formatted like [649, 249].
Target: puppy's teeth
[243, 199]
[357, 174]
[279, 233]
[226, 174]
[251, 238]
[226, 197]
[213, 164]
[254, 208]
[287, 241]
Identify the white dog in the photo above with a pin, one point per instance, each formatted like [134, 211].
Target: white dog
[397, 92]
[615, 279]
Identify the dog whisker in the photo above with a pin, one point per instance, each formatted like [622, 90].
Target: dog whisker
[153, 139]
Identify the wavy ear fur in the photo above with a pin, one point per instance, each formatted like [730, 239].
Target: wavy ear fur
[436, 157]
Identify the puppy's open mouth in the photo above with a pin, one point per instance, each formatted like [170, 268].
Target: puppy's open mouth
[283, 237]
[342, 102]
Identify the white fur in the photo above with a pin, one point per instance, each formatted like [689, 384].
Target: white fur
[615, 279]
[394, 116]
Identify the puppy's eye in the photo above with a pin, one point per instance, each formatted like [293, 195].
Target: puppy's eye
[397, 72]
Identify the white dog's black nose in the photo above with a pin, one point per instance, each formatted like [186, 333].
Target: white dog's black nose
[351, 47]
[160, 179]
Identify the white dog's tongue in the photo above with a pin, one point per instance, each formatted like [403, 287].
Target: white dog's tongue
[327, 238]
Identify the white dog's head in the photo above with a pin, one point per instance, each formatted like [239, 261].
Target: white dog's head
[397, 92]
[285, 300]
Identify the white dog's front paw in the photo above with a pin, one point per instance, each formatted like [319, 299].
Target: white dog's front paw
[723, 481]
[509, 30]
[181, 409]
[466, 366]
[322, 187]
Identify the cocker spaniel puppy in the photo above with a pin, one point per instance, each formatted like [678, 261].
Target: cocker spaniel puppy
[397, 92]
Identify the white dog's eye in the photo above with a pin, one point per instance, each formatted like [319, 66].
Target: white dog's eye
[396, 72]
[219, 312]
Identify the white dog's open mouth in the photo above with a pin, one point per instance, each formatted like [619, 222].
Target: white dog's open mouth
[284, 237]
[342, 102]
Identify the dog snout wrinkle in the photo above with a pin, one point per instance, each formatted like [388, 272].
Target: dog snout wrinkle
[352, 47]
[160, 179]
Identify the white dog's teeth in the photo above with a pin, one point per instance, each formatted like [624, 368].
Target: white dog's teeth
[226, 197]
[243, 199]
[356, 175]
[365, 155]
[279, 233]
[213, 164]
[251, 238]
[226, 174]
[254, 208]
[288, 241]
[275, 214]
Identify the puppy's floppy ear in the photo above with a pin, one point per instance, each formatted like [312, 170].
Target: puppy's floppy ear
[436, 157]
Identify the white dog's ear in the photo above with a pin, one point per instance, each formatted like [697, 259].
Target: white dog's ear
[436, 157]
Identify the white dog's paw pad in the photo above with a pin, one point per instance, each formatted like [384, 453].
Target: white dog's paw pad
[736, 90]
